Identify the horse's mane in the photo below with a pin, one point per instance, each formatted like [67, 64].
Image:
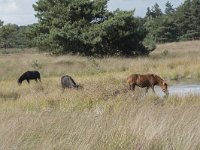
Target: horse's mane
[73, 81]
[159, 79]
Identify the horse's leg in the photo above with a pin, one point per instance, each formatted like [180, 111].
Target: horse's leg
[27, 81]
[152, 87]
[147, 88]
[130, 87]
[35, 79]
[63, 89]
[133, 88]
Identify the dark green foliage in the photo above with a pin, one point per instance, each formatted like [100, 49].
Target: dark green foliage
[163, 29]
[88, 28]
[154, 12]
[169, 8]
[188, 20]
[5, 34]
[13, 36]
[182, 23]
[159, 26]
[122, 35]
[62, 24]
[20, 38]
[148, 13]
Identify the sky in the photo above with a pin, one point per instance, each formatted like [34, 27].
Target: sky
[21, 12]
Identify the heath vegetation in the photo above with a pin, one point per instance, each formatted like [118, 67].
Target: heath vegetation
[104, 114]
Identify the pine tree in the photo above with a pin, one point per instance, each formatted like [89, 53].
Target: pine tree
[86, 27]
[5, 33]
[1, 23]
[183, 20]
[169, 8]
[167, 31]
[156, 11]
[195, 19]
[148, 13]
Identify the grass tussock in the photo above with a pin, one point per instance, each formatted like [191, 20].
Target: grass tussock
[104, 114]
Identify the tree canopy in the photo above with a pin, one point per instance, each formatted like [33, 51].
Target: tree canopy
[88, 28]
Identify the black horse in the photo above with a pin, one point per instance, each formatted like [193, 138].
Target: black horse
[29, 75]
[68, 82]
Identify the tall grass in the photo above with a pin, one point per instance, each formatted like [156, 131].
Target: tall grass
[105, 114]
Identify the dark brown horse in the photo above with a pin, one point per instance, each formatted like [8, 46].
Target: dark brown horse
[148, 81]
[29, 75]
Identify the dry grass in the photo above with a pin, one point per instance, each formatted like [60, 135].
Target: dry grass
[120, 123]
[103, 115]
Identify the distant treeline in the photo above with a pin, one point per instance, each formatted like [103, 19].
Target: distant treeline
[14, 36]
[182, 23]
[88, 28]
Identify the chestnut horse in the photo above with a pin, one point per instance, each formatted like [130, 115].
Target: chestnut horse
[148, 81]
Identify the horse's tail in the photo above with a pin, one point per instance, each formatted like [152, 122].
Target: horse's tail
[39, 77]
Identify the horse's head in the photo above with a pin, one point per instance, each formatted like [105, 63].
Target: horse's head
[164, 88]
[19, 81]
[79, 86]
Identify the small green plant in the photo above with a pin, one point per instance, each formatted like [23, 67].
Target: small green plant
[172, 66]
[164, 53]
[36, 65]
[95, 65]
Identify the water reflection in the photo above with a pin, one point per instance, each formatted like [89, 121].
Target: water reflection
[181, 89]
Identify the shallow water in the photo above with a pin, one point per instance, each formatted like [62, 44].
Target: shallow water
[181, 89]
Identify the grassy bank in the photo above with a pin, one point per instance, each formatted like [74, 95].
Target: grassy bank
[104, 115]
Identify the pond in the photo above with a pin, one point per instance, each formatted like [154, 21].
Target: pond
[181, 89]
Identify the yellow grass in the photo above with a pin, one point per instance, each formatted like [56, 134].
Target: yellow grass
[104, 115]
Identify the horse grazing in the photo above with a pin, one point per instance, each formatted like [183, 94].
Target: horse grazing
[29, 75]
[148, 81]
[68, 82]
